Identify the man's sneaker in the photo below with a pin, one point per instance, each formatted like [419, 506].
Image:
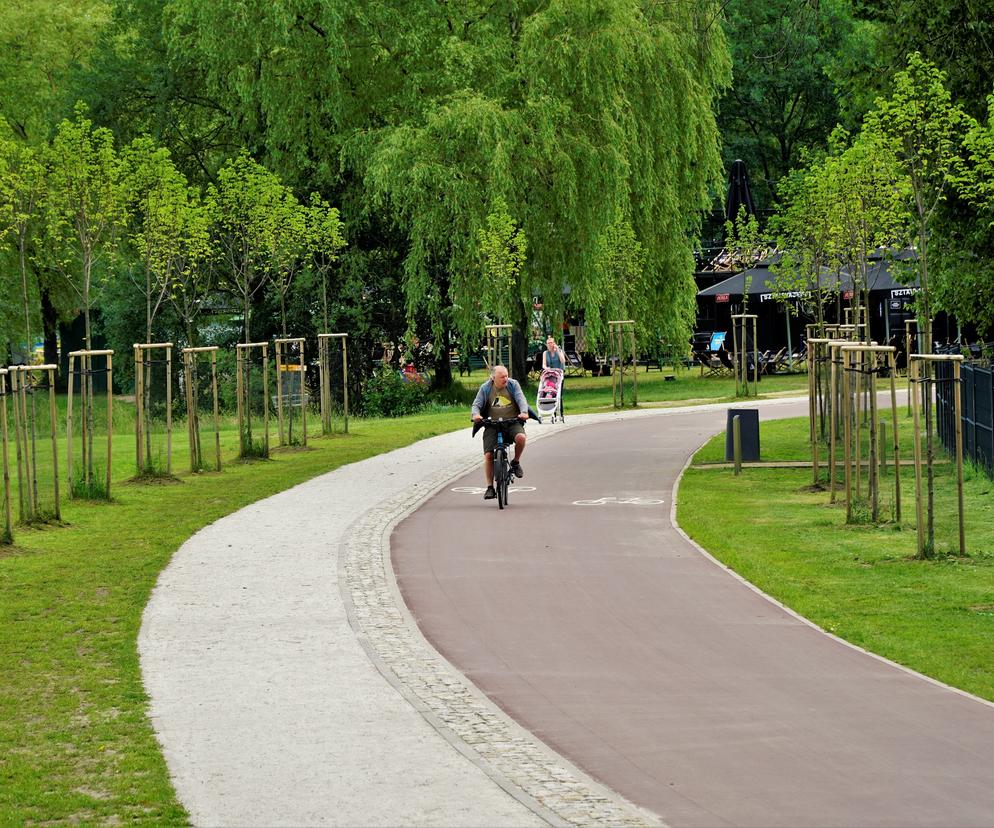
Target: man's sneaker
[490, 493]
[516, 469]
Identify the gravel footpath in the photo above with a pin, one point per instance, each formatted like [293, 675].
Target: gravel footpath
[289, 685]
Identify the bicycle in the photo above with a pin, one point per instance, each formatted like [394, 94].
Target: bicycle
[502, 466]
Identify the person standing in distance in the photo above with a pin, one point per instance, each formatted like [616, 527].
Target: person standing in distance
[501, 397]
[554, 357]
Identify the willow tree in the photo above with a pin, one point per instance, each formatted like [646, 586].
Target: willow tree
[578, 116]
[619, 268]
[575, 113]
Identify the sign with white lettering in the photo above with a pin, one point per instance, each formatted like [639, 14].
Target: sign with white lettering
[789, 294]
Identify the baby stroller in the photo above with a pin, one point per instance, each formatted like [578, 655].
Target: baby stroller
[550, 393]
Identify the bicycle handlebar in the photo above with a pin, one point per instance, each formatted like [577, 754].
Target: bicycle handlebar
[490, 422]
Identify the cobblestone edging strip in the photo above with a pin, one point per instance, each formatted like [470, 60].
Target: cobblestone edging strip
[527, 769]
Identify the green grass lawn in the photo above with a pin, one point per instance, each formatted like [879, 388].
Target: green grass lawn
[859, 582]
[75, 743]
[782, 440]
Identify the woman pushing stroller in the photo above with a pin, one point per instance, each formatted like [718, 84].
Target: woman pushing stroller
[552, 380]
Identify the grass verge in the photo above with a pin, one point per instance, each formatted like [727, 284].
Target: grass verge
[75, 742]
[862, 582]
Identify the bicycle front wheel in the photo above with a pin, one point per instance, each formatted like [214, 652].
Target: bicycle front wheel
[501, 474]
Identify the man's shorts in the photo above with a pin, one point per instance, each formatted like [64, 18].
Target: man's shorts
[510, 432]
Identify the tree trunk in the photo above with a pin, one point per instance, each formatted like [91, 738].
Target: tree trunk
[146, 389]
[443, 368]
[519, 342]
[324, 299]
[927, 348]
[29, 359]
[50, 327]
[87, 384]
[24, 294]
[247, 312]
[148, 306]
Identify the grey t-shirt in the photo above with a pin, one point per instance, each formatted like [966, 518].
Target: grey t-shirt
[502, 404]
[485, 394]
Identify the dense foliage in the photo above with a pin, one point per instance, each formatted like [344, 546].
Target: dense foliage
[477, 157]
[799, 68]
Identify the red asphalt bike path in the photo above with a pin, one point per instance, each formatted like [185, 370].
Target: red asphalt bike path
[602, 630]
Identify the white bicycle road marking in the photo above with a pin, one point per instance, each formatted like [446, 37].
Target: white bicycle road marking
[478, 490]
[625, 501]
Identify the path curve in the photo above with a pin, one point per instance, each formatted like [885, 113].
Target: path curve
[584, 613]
[267, 707]
[269, 653]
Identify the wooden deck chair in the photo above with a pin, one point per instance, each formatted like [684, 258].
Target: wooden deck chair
[774, 363]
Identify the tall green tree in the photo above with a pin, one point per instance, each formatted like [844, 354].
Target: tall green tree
[956, 36]
[572, 112]
[44, 45]
[923, 129]
[242, 206]
[22, 190]
[288, 248]
[963, 241]
[324, 243]
[791, 66]
[84, 207]
[156, 194]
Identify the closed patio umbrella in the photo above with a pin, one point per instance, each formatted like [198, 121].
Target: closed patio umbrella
[739, 193]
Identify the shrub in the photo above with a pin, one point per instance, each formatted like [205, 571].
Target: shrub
[387, 394]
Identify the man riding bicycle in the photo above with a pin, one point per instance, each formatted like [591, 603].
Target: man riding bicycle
[501, 397]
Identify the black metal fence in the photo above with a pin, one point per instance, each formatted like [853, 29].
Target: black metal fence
[978, 412]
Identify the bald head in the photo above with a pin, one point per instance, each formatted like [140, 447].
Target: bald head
[499, 376]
